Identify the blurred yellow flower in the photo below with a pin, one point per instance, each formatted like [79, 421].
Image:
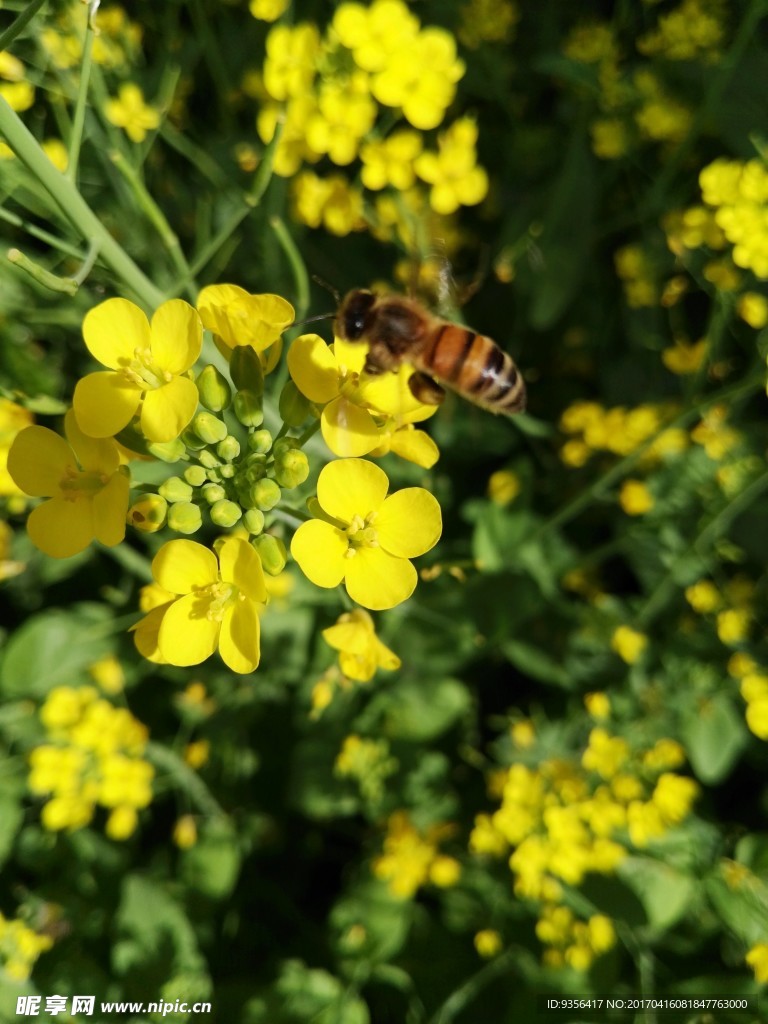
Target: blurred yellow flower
[131, 113]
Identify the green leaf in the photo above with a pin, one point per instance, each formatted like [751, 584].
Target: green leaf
[155, 937]
[743, 908]
[714, 738]
[535, 663]
[419, 710]
[212, 865]
[666, 894]
[371, 925]
[51, 649]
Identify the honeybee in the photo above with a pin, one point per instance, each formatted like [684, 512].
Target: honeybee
[444, 354]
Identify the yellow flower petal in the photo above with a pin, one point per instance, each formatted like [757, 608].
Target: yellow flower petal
[177, 336]
[113, 330]
[145, 634]
[409, 522]
[313, 368]
[350, 355]
[347, 429]
[378, 580]
[181, 565]
[239, 640]
[348, 636]
[110, 507]
[241, 565]
[415, 446]
[351, 487]
[61, 528]
[320, 550]
[187, 636]
[37, 461]
[104, 403]
[385, 658]
[167, 410]
[95, 455]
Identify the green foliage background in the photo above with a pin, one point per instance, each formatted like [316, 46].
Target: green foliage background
[274, 914]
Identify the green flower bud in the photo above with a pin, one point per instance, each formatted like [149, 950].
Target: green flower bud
[184, 517]
[228, 449]
[227, 471]
[294, 407]
[245, 369]
[272, 553]
[225, 513]
[208, 428]
[191, 440]
[148, 513]
[195, 476]
[208, 459]
[285, 444]
[265, 494]
[213, 388]
[292, 468]
[253, 520]
[167, 451]
[260, 441]
[213, 493]
[175, 489]
[248, 408]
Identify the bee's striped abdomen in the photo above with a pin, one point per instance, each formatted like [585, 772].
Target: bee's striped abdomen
[474, 366]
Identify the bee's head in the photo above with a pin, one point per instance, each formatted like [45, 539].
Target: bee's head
[353, 317]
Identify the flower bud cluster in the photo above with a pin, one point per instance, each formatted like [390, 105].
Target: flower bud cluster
[236, 470]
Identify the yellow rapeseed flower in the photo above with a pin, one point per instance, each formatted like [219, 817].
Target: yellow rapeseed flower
[456, 178]
[81, 477]
[147, 366]
[635, 498]
[366, 538]
[628, 643]
[131, 113]
[683, 358]
[235, 317]
[757, 958]
[361, 652]
[487, 943]
[214, 605]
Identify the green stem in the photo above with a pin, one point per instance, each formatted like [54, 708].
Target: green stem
[136, 564]
[158, 220]
[36, 232]
[19, 23]
[74, 207]
[44, 277]
[585, 499]
[76, 138]
[187, 779]
[298, 267]
[308, 433]
[458, 1001]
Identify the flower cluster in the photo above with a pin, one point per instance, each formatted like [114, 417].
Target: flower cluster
[566, 819]
[227, 471]
[592, 428]
[340, 97]
[20, 946]
[361, 414]
[411, 857]
[93, 757]
[368, 762]
[634, 105]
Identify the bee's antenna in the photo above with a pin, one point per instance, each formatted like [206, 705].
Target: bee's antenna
[311, 320]
[328, 287]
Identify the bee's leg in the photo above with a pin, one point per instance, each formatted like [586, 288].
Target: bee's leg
[372, 367]
[425, 389]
